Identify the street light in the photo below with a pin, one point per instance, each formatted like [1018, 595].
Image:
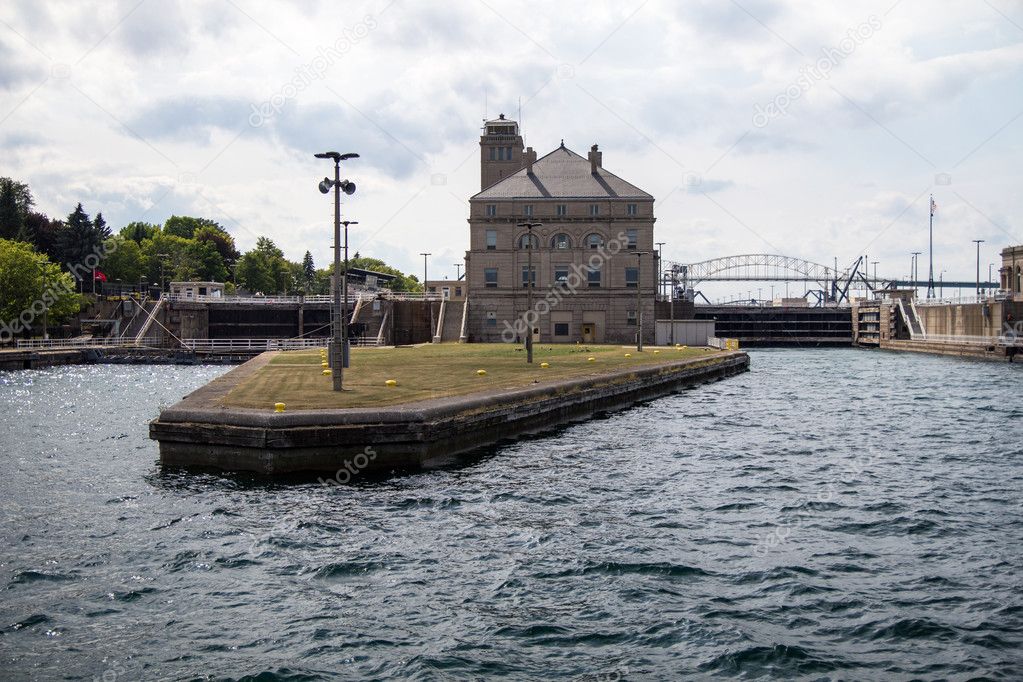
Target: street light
[425, 256]
[338, 347]
[660, 268]
[915, 269]
[458, 271]
[639, 300]
[529, 287]
[978, 242]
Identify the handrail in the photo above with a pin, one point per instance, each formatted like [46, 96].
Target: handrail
[56, 344]
[465, 320]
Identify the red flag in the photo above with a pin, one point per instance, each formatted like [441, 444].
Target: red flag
[97, 275]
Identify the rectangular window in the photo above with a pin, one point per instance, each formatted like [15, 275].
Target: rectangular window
[493, 153]
[458, 293]
[632, 277]
[630, 317]
[633, 238]
[491, 240]
[562, 209]
[630, 209]
[594, 209]
[561, 328]
[491, 318]
[525, 276]
[560, 273]
[593, 278]
[508, 154]
[490, 277]
[527, 210]
[491, 210]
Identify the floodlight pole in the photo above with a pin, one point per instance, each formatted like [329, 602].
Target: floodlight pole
[978, 242]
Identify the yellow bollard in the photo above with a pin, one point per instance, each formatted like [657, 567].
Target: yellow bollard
[324, 364]
[591, 359]
[628, 355]
[391, 382]
[545, 365]
[326, 372]
[481, 372]
[656, 352]
[278, 407]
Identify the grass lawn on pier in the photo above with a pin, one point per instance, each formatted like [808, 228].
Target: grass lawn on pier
[433, 371]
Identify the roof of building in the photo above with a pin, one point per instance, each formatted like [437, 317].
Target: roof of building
[562, 174]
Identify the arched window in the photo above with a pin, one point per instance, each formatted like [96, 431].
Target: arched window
[594, 241]
[525, 241]
[561, 241]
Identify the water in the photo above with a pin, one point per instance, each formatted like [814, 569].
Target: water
[834, 514]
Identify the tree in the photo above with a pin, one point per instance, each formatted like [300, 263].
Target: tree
[15, 204]
[308, 271]
[181, 226]
[124, 261]
[221, 241]
[12, 221]
[165, 255]
[30, 284]
[45, 233]
[264, 269]
[80, 243]
[203, 263]
[138, 231]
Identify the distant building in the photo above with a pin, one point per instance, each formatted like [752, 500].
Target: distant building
[1012, 271]
[585, 266]
[451, 289]
[197, 289]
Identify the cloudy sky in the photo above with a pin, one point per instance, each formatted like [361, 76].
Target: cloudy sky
[807, 129]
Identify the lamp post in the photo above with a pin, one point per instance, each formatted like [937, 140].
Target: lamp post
[671, 302]
[458, 271]
[915, 269]
[529, 286]
[930, 248]
[639, 300]
[989, 266]
[978, 242]
[338, 348]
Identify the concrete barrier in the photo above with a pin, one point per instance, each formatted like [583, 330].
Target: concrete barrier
[200, 432]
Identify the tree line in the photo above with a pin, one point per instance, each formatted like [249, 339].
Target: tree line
[40, 254]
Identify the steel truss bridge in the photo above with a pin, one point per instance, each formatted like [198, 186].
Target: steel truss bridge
[828, 285]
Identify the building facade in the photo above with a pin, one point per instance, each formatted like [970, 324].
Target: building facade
[1012, 271]
[594, 264]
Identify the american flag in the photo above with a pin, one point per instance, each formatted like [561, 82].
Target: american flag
[934, 207]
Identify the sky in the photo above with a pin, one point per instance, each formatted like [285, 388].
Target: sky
[806, 129]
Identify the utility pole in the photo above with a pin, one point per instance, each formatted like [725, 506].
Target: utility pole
[930, 275]
[639, 301]
[915, 270]
[671, 302]
[529, 287]
[978, 242]
[425, 256]
[458, 271]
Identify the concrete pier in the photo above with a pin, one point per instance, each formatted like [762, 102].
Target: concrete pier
[201, 432]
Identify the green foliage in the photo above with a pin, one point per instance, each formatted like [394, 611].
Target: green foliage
[221, 241]
[186, 226]
[203, 263]
[308, 271]
[137, 231]
[264, 269]
[165, 254]
[80, 241]
[30, 283]
[124, 261]
[15, 204]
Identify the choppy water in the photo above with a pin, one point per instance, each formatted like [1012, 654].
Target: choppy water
[834, 514]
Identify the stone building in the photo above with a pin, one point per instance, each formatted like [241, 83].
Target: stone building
[1012, 271]
[590, 258]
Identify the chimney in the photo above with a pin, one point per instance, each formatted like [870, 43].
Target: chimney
[530, 160]
[596, 160]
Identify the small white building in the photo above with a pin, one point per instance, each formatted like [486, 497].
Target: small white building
[197, 289]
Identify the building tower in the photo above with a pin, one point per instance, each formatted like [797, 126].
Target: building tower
[501, 150]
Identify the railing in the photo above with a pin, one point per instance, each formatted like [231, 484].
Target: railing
[1001, 340]
[960, 300]
[353, 296]
[57, 344]
[215, 345]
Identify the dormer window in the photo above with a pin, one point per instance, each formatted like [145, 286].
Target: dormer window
[527, 210]
[594, 209]
[491, 210]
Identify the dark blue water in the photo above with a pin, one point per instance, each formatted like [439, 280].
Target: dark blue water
[834, 514]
